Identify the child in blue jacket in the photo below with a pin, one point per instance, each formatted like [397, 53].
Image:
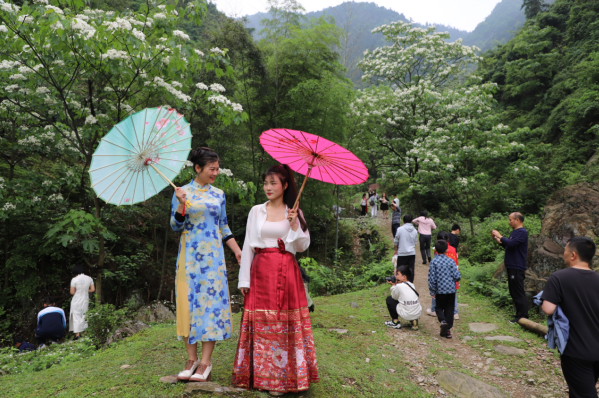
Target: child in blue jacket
[442, 277]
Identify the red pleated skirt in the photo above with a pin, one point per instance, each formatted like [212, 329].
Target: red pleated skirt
[276, 346]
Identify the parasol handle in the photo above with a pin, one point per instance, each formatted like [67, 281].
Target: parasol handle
[295, 205]
[148, 162]
[163, 176]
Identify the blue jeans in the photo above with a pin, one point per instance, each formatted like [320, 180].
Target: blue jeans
[455, 310]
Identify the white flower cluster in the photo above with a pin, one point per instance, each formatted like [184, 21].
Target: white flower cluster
[83, 27]
[115, 54]
[25, 19]
[180, 95]
[12, 88]
[9, 206]
[17, 76]
[202, 86]
[8, 64]
[36, 199]
[217, 50]
[139, 35]
[221, 99]
[47, 183]
[201, 54]
[55, 9]
[226, 172]
[55, 197]
[188, 164]
[91, 120]
[3, 28]
[217, 87]
[7, 7]
[119, 23]
[1, 183]
[42, 90]
[181, 34]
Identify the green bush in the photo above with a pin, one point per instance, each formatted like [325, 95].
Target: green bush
[11, 361]
[103, 320]
[479, 280]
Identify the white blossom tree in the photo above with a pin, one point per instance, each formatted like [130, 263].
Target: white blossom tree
[70, 73]
[417, 90]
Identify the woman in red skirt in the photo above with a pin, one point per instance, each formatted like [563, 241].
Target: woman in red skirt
[276, 347]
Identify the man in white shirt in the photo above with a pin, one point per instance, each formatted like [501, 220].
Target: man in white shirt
[396, 200]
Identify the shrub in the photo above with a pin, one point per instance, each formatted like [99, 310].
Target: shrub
[11, 361]
[479, 280]
[102, 320]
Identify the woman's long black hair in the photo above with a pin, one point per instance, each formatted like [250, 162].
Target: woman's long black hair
[285, 175]
[424, 213]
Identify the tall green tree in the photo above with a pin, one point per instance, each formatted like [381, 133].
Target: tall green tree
[533, 7]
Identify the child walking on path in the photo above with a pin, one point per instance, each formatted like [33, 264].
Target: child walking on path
[442, 277]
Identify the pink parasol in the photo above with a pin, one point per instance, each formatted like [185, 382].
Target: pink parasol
[314, 156]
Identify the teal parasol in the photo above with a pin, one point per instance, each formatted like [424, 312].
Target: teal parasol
[140, 156]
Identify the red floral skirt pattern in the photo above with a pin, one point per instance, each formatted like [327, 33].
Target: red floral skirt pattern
[276, 347]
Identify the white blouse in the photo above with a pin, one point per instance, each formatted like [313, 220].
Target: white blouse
[295, 241]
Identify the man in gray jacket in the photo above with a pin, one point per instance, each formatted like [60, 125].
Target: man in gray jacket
[406, 239]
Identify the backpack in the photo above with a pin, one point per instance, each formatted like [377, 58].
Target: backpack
[372, 201]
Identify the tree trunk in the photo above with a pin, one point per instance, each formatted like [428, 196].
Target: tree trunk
[418, 203]
[6, 273]
[164, 255]
[471, 224]
[101, 256]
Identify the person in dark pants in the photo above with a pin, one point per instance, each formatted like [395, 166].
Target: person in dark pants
[395, 218]
[576, 291]
[516, 248]
[364, 204]
[405, 242]
[51, 323]
[442, 277]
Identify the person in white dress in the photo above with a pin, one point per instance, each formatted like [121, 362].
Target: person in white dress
[81, 286]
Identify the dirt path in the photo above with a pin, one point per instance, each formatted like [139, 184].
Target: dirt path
[426, 352]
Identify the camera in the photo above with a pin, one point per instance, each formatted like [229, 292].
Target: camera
[390, 279]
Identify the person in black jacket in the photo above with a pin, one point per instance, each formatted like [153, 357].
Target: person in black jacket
[516, 248]
[51, 323]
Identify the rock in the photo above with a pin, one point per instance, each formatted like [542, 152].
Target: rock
[352, 317]
[489, 361]
[462, 305]
[155, 312]
[172, 379]
[530, 381]
[391, 370]
[3, 373]
[487, 354]
[129, 328]
[467, 338]
[482, 327]
[340, 331]
[125, 366]
[367, 360]
[571, 211]
[465, 386]
[528, 373]
[511, 339]
[196, 388]
[502, 349]
[353, 304]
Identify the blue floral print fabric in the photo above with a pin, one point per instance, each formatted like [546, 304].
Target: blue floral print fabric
[204, 229]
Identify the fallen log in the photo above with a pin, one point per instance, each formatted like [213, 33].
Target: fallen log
[533, 326]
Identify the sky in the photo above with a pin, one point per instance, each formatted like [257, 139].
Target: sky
[461, 14]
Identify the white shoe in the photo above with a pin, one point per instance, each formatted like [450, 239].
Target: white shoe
[205, 375]
[456, 316]
[190, 367]
[430, 313]
[393, 325]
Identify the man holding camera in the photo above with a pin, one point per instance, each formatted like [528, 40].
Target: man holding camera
[403, 301]
[516, 249]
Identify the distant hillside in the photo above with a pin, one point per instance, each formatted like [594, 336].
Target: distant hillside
[357, 19]
[499, 27]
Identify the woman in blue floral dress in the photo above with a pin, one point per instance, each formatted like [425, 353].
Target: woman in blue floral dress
[203, 307]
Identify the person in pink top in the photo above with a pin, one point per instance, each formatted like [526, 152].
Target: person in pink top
[425, 226]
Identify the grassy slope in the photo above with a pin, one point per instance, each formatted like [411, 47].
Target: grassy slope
[156, 352]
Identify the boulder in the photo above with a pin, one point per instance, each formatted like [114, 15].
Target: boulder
[155, 312]
[128, 329]
[135, 299]
[502, 349]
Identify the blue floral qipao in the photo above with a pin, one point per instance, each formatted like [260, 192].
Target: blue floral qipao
[203, 233]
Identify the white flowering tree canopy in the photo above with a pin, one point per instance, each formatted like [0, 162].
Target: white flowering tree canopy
[415, 94]
[67, 75]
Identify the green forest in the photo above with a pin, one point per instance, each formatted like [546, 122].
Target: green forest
[463, 134]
